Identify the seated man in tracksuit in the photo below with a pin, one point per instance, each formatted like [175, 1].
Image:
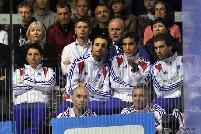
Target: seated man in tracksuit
[141, 104]
[91, 73]
[31, 88]
[80, 100]
[167, 73]
[128, 69]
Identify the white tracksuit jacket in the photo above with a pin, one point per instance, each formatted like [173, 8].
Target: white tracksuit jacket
[95, 74]
[70, 113]
[156, 109]
[71, 52]
[168, 77]
[32, 85]
[123, 79]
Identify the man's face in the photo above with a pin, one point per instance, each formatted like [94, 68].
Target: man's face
[42, 4]
[162, 50]
[129, 47]
[36, 34]
[149, 4]
[140, 98]
[63, 15]
[99, 48]
[117, 7]
[159, 28]
[33, 57]
[102, 14]
[26, 15]
[160, 10]
[82, 30]
[82, 8]
[116, 30]
[80, 98]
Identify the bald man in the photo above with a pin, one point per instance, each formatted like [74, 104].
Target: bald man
[80, 100]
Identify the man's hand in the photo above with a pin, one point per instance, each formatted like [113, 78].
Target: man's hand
[82, 84]
[133, 64]
[2, 77]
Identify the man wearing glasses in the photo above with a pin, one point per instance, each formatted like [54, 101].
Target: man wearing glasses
[81, 46]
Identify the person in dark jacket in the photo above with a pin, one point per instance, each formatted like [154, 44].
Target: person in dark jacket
[160, 25]
[26, 11]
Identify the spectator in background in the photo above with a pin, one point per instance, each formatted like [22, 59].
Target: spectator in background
[116, 30]
[128, 69]
[32, 85]
[161, 9]
[82, 8]
[80, 47]
[167, 74]
[19, 30]
[80, 99]
[119, 11]
[61, 33]
[36, 34]
[43, 13]
[102, 14]
[160, 25]
[145, 19]
[141, 104]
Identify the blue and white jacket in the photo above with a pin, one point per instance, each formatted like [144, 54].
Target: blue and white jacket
[32, 85]
[94, 73]
[167, 77]
[70, 113]
[73, 51]
[123, 79]
[150, 108]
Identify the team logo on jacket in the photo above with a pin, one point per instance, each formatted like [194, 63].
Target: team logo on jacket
[39, 74]
[85, 73]
[98, 77]
[165, 72]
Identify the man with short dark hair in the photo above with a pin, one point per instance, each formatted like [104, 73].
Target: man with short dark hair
[167, 73]
[90, 72]
[20, 39]
[82, 8]
[43, 13]
[128, 68]
[62, 33]
[31, 88]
